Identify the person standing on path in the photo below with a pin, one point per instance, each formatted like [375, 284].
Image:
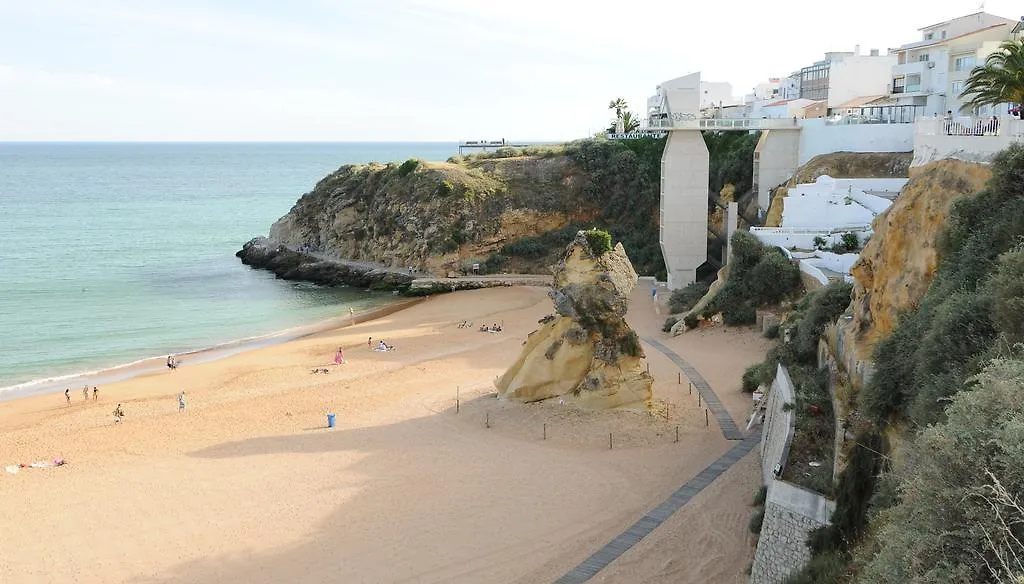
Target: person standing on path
[67, 395]
[181, 402]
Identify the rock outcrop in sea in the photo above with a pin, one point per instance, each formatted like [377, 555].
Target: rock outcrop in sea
[289, 264]
[585, 353]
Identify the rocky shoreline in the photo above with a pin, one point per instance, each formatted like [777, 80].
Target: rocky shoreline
[288, 264]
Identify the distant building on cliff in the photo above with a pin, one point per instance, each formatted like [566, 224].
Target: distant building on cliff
[842, 76]
[930, 72]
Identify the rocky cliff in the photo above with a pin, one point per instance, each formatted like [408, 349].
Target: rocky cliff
[898, 263]
[512, 211]
[586, 353]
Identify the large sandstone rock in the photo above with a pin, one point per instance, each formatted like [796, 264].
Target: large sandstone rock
[585, 353]
[898, 263]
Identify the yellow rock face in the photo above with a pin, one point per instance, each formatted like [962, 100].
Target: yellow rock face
[898, 263]
[580, 355]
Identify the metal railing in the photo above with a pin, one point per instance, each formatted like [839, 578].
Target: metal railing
[972, 126]
[691, 122]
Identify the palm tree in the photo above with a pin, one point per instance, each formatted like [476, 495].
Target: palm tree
[1000, 79]
[629, 123]
[619, 105]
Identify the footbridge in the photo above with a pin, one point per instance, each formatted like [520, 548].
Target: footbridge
[685, 177]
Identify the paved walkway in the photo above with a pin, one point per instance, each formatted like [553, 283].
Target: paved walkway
[627, 539]
[725, 421]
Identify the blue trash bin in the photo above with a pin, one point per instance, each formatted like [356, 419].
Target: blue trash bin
[330, 420]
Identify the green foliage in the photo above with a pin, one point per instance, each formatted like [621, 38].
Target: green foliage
[408, 166]
[691, 321]
[758, 276]
[538, 246]
[849, 241]
[814, 430]
[820, 242]
[954, 518]
[1006, 288]
[599, 240]
[772, 332]
[445, 188]
[740, 316]
[760, 497]
[1000, 79]
[756, 521]
[683, 299]
[731, 159]
[855, 483]
[669, 323]
[494, 263]
[757, 375]
[817, 310]
[629, 344]
[826, 568]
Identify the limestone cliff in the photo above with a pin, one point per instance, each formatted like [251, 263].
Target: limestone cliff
[897, 264]
[586, 353]
[841, 165]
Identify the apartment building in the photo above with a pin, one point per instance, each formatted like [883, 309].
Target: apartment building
[842, 76]
[930, 73]
[688, 96]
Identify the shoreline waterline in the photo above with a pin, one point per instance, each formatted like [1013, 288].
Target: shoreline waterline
[157, 363]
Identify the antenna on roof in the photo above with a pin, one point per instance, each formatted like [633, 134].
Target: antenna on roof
[981, 6]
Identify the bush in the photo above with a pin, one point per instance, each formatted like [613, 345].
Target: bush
[850, 241]
[445, 188]
[772, 332]
[686, 298]
[669, 322]
[691, 321]
[757, 375]
[819, 309]
[760, 497]
[820, 242]
[756, 521]
[408, 166]
[773, 278]
[828, 568]
[600, 241]
[1006, 288]
[740, 316]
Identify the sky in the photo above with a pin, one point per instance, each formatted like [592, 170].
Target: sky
[400, 70]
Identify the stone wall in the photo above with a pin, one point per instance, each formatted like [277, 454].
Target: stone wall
[790, 515]
[790, 512]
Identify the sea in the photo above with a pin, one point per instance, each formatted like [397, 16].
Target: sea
[111, 253]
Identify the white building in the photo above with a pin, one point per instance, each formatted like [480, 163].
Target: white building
[842, 76]
[716, 94]
[930, 73]
[677, 98]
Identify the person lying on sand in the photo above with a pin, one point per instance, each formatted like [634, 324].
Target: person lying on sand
[384, 347]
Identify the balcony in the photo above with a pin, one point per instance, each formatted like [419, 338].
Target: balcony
[912, 68]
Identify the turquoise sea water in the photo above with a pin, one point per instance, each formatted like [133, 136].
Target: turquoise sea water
[111, 253]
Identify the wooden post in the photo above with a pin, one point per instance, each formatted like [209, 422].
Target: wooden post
[698, 399]
[609, 440]
[706, 422]
[545, 431]
[487, 420]
[679, 378]
[689, 391]
[677, 433]
[648, 368]
[456, 399]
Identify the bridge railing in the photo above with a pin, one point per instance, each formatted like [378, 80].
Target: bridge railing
[690, 122]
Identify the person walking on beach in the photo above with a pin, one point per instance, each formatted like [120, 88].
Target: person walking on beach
[85, 393]
[181, 402]
[67, 395]
[118, 413]
[369, 343]
[95, 393]
[170, 362]
[339, 357]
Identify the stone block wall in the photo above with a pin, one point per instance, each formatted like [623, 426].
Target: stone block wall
[791, 513]
[777, 429]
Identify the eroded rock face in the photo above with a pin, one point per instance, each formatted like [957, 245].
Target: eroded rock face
[898, 263]
[585, 353]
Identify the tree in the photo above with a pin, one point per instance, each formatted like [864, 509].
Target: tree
[619, 105]
[1001, 79]
[629, 123]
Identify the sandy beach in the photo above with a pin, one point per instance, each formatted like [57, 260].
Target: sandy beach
[249, 485]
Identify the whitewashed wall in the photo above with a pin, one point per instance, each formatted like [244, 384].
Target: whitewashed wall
[817, 137]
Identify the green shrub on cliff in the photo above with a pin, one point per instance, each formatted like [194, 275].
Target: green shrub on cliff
[683, 299]
[599, 240]
[758, 276]
[408, 166]
[445, 188]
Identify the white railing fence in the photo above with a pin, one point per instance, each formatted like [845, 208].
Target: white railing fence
[971, 126]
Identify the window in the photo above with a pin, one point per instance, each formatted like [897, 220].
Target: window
[929, 36]
[943, 34]
[898, 85]
[964, 63]
[922, 57]
[958, 87]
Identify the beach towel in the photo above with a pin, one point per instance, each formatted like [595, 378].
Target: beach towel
[12, 468]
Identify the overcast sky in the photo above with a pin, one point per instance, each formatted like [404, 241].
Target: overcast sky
[392, 70]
